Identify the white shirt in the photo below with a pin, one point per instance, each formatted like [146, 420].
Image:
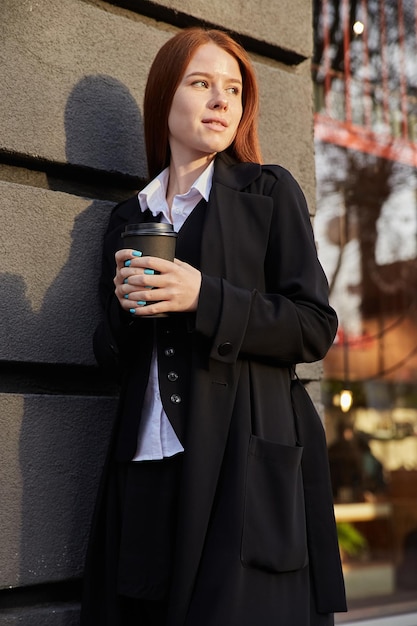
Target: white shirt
[156, 437]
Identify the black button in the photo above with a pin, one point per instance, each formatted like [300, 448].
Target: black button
[175, 398]
[169, 352]
[225, 348]
[172, 376]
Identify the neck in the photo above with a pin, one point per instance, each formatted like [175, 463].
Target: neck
[182, 175]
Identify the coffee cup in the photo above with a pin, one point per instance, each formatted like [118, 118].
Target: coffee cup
[152, 239]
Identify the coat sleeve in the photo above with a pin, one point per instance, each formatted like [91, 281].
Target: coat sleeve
[291, 321]
[116, 330]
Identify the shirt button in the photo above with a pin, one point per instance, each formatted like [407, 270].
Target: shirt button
[175, 398]
[169, 352]
[172, 376]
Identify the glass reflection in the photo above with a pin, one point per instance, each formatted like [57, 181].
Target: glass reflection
[365, 75]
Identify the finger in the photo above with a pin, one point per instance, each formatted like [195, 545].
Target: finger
[148, 294]
[134, 308]
[150, 309]
[125, 256]
[137, 279]
[141, 304]
[132, 275]
[158, 265]
[132, 266]
[138, 284]
[131, 301]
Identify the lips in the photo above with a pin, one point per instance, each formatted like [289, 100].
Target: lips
[217, 121]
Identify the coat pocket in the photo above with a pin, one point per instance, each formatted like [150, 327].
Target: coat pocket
[274, 534]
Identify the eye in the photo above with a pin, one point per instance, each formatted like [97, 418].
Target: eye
[200, 83]
[233, 90]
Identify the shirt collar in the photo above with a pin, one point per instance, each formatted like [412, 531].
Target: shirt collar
[153, 196]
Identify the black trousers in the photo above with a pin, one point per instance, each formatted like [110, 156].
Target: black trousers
[129, 563]
[143, 612]
[148, 492]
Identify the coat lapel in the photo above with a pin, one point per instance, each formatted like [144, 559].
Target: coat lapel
[237, 225]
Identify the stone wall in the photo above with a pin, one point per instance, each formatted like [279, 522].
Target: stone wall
[72, 75]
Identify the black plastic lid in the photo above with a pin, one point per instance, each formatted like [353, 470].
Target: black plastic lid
[149, 228]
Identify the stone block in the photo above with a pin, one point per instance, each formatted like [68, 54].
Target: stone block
[50, 258]
[286, 23]
[46, 615]
[310, 371]
[286, 121]
[74, 77]
[51, 453]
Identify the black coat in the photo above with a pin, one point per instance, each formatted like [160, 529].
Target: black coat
[245, 534]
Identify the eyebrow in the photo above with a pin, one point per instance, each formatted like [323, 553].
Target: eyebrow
[208, 75]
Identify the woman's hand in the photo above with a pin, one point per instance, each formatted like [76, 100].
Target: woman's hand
[174, 287]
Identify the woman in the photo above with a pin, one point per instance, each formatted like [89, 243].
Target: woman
[200, 518]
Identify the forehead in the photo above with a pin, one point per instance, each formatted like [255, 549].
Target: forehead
[210, 58]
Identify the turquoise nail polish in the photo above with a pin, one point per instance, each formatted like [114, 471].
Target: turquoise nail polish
[149, 271]
[136, 253]
[126, 296]
[132, 311]
[141, 303]
[125, 281]
[127, 263]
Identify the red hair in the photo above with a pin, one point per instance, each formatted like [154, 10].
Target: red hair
[164, 77]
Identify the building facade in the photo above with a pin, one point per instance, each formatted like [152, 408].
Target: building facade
[72, 75]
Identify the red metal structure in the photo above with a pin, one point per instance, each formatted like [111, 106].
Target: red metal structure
[365, 72]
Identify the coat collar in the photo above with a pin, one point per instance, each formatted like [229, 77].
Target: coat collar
[233, 174]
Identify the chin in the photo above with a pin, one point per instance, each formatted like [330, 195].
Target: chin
[218, 147]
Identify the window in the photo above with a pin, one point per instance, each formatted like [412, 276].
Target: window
[365, 76]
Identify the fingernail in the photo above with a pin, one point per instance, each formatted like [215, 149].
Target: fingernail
[149, 271]
[126, 296]
[126, 280]
[132, 311]
[141, 303]
[136, 253]
[127, 263]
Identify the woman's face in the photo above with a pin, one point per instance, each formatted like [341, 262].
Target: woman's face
[207, 105]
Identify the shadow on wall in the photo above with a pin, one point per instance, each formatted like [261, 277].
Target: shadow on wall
[103, 126]
[63, 438]
[57, 241]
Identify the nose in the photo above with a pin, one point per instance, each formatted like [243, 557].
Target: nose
[219, 102]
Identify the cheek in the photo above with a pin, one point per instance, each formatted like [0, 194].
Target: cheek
[237, 119]
[176, 113]
[174, 122]
[180, 115]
